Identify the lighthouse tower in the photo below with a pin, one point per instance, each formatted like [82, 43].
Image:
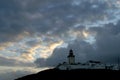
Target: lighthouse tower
[71, 57]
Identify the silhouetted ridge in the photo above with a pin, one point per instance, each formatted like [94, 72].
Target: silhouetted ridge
[55, 74]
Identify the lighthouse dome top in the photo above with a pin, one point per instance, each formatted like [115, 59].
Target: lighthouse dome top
[71, 53]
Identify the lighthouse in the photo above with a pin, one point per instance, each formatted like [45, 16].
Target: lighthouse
[71, 65]
[71, 57]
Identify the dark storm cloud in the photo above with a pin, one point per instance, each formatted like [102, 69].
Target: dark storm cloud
[9, 20]
[42, 16]
[107, 43]
[105, 49]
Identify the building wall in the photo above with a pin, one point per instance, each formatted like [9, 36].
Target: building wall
[71, 60]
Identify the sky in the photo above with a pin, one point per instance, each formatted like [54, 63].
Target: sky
[38, 34]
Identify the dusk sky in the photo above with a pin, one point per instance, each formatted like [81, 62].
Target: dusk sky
[38, 34]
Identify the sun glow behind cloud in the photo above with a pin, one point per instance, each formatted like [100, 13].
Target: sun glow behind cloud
[86, 34]
[48, 50]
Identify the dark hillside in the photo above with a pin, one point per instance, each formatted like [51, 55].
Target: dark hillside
[55, 74]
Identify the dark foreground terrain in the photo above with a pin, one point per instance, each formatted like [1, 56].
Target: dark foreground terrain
[79, 74]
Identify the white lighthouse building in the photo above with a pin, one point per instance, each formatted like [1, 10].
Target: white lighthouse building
[71, 57]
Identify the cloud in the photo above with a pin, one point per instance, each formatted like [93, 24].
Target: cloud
[6, 61]
[104, 49]
[53, 16]
[37, 27]
[107, 42]
[50, 22]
